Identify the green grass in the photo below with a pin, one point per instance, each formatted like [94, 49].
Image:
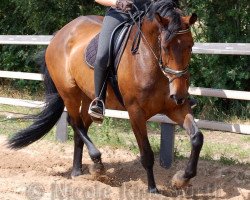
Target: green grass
[17, 110]
[228, 161]
[226, 153]
[245, 138]
[8, 126]
[14, 122]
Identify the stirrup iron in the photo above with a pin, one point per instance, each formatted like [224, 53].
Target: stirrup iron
[95, 114]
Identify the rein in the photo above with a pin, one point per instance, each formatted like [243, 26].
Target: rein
[166, 70]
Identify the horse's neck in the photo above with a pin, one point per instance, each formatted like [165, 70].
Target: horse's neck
[151, 33]
[144, 66]
[149, 49]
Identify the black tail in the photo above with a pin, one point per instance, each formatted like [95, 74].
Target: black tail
[44, 121]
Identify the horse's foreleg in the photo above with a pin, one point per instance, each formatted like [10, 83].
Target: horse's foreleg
[138, 124]
[182, 178]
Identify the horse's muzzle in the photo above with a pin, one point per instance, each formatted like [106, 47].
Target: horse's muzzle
[178, 100]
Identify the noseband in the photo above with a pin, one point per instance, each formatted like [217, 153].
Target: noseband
[167, 70]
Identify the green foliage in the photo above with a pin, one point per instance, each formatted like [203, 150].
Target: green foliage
[41, 17]
[222, 22]
[33, 17]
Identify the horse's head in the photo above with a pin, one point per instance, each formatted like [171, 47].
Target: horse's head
[175, 44]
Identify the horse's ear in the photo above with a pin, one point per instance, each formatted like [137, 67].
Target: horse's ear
[161, 21]
[193, 19]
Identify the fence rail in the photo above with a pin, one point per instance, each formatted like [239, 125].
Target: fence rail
[167, 131]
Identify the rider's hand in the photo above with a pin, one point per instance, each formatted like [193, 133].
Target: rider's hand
[124, 5]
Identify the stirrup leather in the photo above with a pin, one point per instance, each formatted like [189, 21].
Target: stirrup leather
[95, 114]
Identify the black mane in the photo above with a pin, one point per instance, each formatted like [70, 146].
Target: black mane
[167, 8]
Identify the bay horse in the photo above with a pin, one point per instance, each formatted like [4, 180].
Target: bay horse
[154, 80]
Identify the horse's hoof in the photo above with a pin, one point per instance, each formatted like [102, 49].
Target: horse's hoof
[97, 169]
[153, 190]
[76, 173]
[178, 180]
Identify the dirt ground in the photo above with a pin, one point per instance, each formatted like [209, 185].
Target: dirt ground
[42, 171]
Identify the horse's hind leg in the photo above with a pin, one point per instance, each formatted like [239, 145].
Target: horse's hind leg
[74, 119]
[77, 159]
[181, 178]
[80, 122]
[97, 168]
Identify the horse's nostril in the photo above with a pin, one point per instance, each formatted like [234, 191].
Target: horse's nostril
[178, 101]
[173, 97]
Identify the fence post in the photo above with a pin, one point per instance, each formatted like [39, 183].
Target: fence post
[167, 145]
[61, 128]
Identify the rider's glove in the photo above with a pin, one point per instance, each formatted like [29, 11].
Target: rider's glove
[124, 5]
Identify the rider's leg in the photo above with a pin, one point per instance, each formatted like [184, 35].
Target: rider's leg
[111, 20]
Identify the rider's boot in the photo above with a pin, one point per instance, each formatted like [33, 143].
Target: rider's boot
[97, 106]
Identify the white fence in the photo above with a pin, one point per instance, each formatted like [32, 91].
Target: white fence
[167, 137]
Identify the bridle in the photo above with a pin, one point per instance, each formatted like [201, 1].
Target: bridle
[166, 70]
